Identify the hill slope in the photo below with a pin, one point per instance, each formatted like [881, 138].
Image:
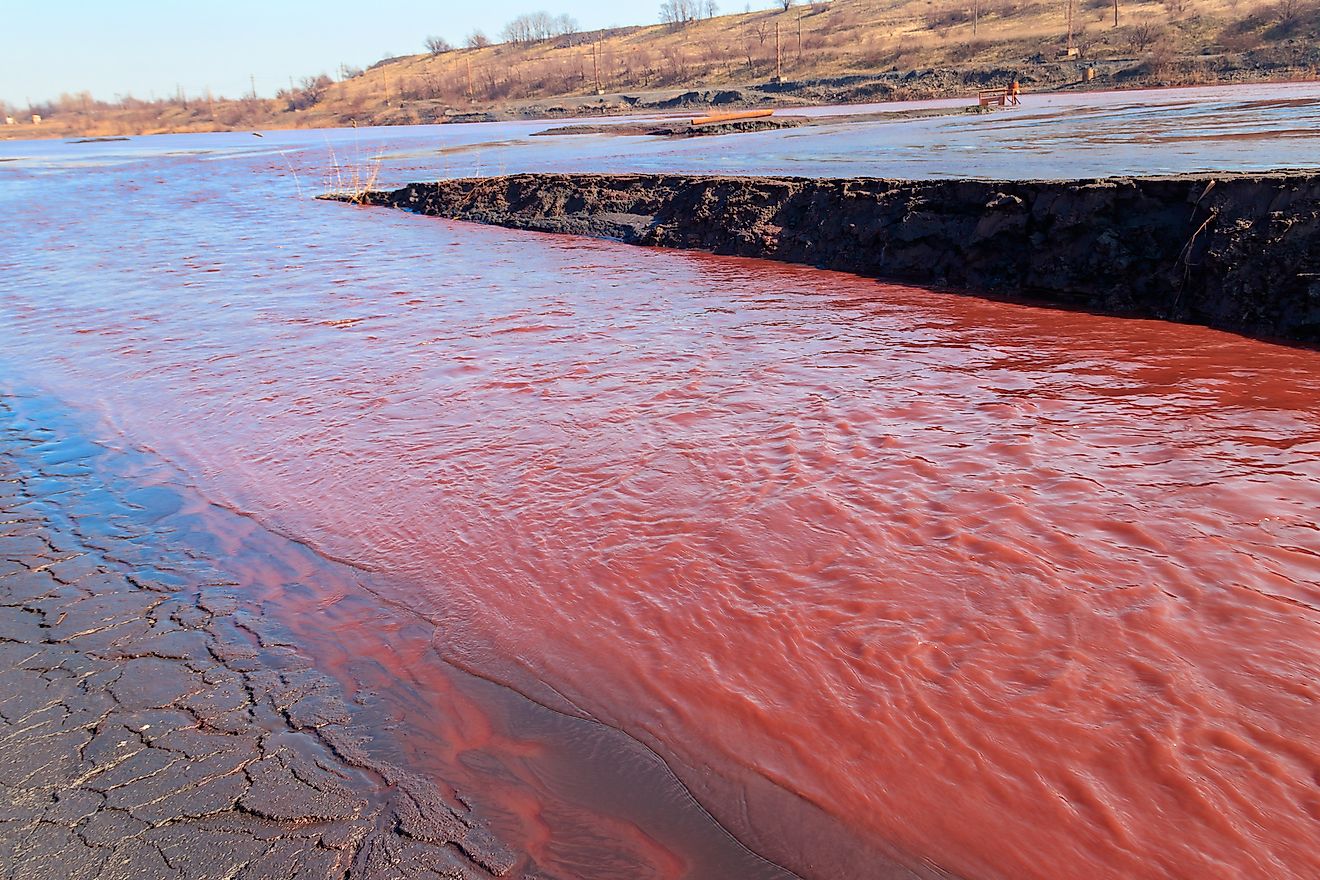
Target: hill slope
[844, 51]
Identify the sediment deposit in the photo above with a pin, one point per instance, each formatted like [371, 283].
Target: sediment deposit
[153, 726]
[1239, 252]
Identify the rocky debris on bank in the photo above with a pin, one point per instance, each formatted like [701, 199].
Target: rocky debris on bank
[1239, 252]
[677, 129]
[684, 128]
[151, 728]
[687, 100]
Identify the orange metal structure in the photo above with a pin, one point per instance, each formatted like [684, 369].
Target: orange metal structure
[1000, 97]
[731, 117]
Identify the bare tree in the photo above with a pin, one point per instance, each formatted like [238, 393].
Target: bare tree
[1144, 34]
[316, 86]
[477, 40]
[517, 31]
[785, 4]
[308, 93]
[679, 12]
[437, 45]
[712, 8]
[540, 25]
[532, 27]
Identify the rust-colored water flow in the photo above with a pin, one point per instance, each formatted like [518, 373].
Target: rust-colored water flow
[999, 591]
[570, 796]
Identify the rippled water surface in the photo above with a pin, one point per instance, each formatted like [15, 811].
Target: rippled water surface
[991, 590]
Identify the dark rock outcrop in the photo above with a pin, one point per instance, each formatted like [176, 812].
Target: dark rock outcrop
[1239, 252]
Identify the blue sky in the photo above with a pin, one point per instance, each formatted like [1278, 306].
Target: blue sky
[146, 47]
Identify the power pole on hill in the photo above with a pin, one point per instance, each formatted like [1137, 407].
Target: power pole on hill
[779, 76]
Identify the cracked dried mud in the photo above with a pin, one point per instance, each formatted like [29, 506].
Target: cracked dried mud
[152, 728]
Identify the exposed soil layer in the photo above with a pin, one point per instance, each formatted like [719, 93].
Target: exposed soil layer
[154, 727]
[1238, 252]
[679, 129]
[684, 128]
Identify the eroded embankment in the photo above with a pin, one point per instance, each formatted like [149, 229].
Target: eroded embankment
[1237, 252]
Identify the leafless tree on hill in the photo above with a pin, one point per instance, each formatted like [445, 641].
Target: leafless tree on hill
[679, 12]
[533, 27]
[541, 25]
[309, 92]
[517, 31]
[1144, 34]
[477, 40]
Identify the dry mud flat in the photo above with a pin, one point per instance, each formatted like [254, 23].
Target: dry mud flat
[153, 728]
[1238, 252]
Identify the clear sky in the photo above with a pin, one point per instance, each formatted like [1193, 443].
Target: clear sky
[146, 47]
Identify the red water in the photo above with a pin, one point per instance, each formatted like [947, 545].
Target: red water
[1006, 592]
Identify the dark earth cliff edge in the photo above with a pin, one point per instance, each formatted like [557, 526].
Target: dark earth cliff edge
[1239, 252]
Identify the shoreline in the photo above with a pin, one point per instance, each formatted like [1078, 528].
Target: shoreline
[155, 728]
[1233, 251]
[552, 114]
[274, 720]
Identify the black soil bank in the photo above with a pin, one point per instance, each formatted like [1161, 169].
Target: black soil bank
[1238, 252]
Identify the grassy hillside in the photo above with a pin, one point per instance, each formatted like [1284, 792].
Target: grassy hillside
[838, 51]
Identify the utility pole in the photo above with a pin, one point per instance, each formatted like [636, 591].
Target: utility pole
[252, 78]
[976, 14]
[1115, 13]
[1070, 27]
[799, 35]
[595, 66]
[779, 76]
[471, 97]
